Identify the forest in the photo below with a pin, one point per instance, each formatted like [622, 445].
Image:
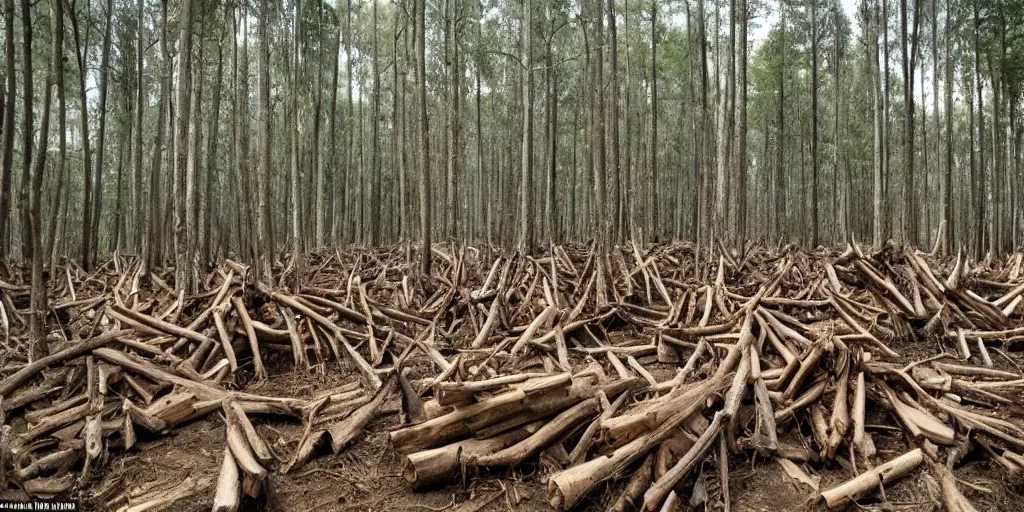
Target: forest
[512, 255]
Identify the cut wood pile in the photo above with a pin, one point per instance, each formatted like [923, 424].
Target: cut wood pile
[637, 368]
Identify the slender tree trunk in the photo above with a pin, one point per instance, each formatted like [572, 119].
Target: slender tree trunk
[153, 243]
[211, 155]
[38, 346]
[26, 115]
[814, 123]
[8, 136]
[615, 176]
[182, 270]
[294, 153]
[332, 178]
[375, 178]
[348, 206]
[780, 174]
[424, 132]
[947, 178]
[526, 191]
[602, 200]
[264, 252]
[741, 131]
[656, 229]
[879, 124]
[893, 225]
[90, 224]
[58, 75]
[139, 222]
[978, 180]
[911, 212]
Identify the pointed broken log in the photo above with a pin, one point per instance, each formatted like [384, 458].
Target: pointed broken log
[658, 491]
[227, 496]
[567, 487]
[436, 465]
[343, 433]
[868, 481]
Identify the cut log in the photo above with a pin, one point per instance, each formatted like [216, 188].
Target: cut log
[229, 488]
[870, 480]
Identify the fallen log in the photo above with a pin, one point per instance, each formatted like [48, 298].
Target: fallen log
[870, 480]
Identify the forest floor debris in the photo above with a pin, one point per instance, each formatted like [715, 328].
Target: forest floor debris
[650, 378]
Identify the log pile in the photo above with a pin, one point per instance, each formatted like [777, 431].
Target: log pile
[639, 367]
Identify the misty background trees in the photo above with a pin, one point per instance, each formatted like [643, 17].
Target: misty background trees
[191, 130]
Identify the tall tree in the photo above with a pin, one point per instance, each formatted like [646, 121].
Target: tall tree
[741, 130]
[139, 224]
[182, 266]
[7, 169]
[908, 47]
[615, 173]
[152, 243]
[37, 300]
[526, 177]
[263, 244]
[947, 179]
[26, 116]
[814, 123]
[424, 143]
[90, 216]
[653, 145]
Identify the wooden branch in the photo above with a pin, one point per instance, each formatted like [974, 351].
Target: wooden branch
[870, 480]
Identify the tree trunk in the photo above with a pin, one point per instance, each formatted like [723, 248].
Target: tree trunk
[264, 253]
[182, 266]
[879, 124]
[375, 179]
[424, 132]
[62, 109]
[614, 177]
[601, 199]
[526, 191]
[26, 115]
[780, 174]
[90, 223]
[947, 178]
[978, 180]
[814, 123]
[741, 132]
[332, 178]
[8, 136]
[656, 229]
[211, 156]
[294, 153]
[37, 300]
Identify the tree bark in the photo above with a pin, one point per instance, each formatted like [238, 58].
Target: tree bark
[741, 131]
[263, 244]
[38, 346]
[814, 124]
[26, 115]
[656, 229]
[526, 173]
[182, 266]
[90, 223]
[424, 132]
[212, 173]
[139, 223]
[8, 136]
[947, 178]
[615, 177]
